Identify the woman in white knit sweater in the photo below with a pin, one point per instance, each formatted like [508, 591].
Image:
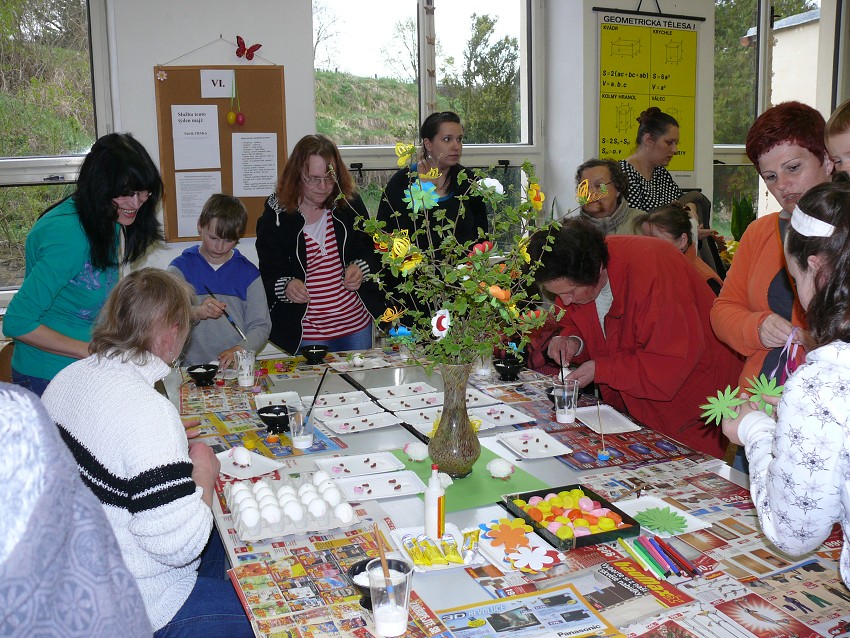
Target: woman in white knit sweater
[132, 452]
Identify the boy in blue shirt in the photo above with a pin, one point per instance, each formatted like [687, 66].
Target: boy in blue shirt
[216, 266]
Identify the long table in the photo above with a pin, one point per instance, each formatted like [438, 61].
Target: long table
[453, 588]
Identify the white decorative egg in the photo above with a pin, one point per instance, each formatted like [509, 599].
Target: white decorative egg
[285, 489]
[238, 487]
[260, 485]
[324, 485]
[237, 497]
[271, 514]
[286, 497]
[267, 499]
[294, 511]
[332, 496]
[241, 456]
[317, 508]
[320, 477]
[249, 516]
[344, 512]
[309, 497]
[307, 487]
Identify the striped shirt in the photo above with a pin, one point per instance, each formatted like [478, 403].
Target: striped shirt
[333, 311]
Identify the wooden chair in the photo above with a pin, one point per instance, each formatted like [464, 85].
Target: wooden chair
[6, 362]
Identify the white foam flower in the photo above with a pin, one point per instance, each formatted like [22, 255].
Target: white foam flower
[492, 183]
[440, 323]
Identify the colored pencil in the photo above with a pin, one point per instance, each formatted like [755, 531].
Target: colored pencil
[677, 556]
[674, 567]
[658, 558]
[654, 568]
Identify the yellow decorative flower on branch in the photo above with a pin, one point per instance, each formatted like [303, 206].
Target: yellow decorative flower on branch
[536, 196]
[410, 262]
[391, 314]
[405, 153]
[400, 244]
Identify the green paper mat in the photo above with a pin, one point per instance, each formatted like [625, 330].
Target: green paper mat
[479, 488]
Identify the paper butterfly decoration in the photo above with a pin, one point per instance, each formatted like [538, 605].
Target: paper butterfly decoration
[584, 194]
[241, 50]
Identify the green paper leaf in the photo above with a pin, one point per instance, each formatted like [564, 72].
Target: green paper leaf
[761, 387]
[661, 520]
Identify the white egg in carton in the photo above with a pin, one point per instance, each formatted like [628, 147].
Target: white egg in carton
[268, 508]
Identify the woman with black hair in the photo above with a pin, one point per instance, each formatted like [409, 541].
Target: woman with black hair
[442, 147]
[74, 253]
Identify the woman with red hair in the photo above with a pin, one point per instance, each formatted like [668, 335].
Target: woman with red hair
[757, 312]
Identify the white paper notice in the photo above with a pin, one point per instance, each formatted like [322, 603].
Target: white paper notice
[193, 189]
[217, 83]
[254, 164]
[195, 133]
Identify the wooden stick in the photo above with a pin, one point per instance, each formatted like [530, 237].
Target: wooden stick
[383, 556]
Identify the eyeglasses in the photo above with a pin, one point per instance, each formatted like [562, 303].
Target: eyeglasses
[317, 181]
[600, 186]
[140, 194]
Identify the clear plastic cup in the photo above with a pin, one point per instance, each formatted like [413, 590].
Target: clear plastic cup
[390, 596]
[565, 396]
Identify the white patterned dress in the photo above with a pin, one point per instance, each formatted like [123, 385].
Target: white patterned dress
[800, 464]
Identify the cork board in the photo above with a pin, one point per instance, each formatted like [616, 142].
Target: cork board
[224, 148]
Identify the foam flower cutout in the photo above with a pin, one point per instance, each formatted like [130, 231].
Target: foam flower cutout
[400, 244]
[421, 195]
[761, 387]
[536, 196]
[662, 520]
[722, 406]
[481, 248]
[161, 75]
[492, 183]
[532, 560]
[508, 534]
[404, 152]
[410, 262]
[391, 314]
[440, 323]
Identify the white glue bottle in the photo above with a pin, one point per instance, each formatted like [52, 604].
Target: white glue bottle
[435, 502]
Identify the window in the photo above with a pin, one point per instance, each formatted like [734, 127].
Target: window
[47, 111]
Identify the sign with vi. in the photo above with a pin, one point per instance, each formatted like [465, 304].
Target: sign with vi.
[646, 61]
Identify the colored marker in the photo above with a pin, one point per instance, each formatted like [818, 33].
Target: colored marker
[672, 551]
[658, 558]
[632, 553]
[654, 569]
[672, 563]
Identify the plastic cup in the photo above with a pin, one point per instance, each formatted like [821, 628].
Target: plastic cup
[245, 360]
[300, 429]
[390, 596]
[565, 396]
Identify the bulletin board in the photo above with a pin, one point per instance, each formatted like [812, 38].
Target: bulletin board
[201, 153]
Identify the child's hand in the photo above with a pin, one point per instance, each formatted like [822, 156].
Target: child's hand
[353, 277]
[226, 358]
[730, 426]
[209, 309]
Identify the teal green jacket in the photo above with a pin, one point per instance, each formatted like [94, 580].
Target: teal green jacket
[61, 289]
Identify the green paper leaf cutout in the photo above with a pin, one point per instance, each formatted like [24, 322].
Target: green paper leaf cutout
[661, 520]
[761, 387]
[722, 406]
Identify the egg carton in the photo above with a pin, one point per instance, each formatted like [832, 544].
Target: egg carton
[282, 508]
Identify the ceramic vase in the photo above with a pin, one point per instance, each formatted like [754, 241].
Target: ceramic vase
[454, 446]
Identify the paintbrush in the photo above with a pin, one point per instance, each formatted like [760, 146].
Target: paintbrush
[384, 565]
[226, 314]
[316, 396]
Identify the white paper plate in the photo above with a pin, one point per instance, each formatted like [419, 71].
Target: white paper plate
[387, 485]
[451, 529]
[413, 402]
[635, 506]
[277, 398]
[361, 423]
[357, 410]
[533, 443]
[396, 391]
[345, 398]
[500, 414]
[612, 421]
[360, 464]
[259, 465]
[475, 398]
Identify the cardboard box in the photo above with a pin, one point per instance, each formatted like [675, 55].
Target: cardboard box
[633, 528]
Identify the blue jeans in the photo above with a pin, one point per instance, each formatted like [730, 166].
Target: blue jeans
[360, 340]
[213, 609]
[36, 385]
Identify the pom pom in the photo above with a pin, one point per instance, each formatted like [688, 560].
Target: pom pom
[500, 469]
[416, 451]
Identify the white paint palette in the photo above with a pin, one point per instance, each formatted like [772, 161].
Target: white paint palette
[500, 414]
[328, 400]
[277, 398]
[356, 410]
[360, 464]
[612, 421]
[259, 465]
[352, 425]
[533, 443]
[396, 391]
[374, 486]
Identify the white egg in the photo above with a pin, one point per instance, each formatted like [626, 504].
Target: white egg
[317, 508]
[249, 516]
[237, 497]
[285, 489]
[324, 485]
[344, 512]
[332, 496]
[320, 477]
[241, 457]
[238, 487]
[309, 497]
[259, 485]
[271, 514]
[250, 501]
[286, 498]
[267, 499]
[294, 511]
[307, 487]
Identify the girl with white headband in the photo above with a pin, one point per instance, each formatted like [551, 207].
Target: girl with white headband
[800, 463]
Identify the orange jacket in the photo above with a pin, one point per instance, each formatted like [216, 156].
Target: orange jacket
[743, 304]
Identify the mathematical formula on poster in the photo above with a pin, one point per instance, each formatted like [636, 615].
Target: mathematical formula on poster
[643, 62]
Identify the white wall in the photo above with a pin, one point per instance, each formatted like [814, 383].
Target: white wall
[150, 32]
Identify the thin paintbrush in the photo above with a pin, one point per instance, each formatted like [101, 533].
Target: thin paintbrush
[229, 318]
[316, 396]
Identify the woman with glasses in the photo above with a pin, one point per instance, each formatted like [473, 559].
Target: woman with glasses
[313, 260]
[74, 254]
[608, 210]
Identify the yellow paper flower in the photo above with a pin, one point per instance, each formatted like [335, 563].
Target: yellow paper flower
[400, 244]
[434, 173]
[391, 314]
[536, 196]
[522, 248]
[404, 152]
[410, 262]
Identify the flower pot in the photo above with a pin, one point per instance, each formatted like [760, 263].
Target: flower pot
[454, 446]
